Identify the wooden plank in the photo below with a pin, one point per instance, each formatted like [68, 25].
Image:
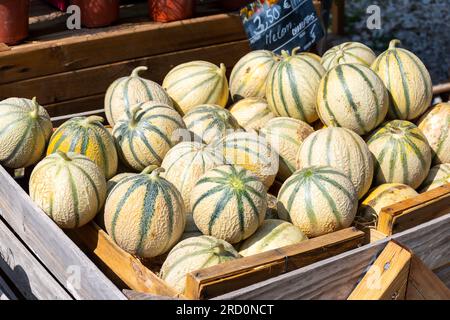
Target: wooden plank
[109, 45]
[415, 211]
[336, 277]
[96, 80]
[134, 295]
[69, 107]
[5, 291]
[28, 275]
[4, 47]
[441, 88]
[387, 277]
[423, 284]
[338, 17]
[57, 121]
[213, 281]
[443, 273]
[126, 267]
[67, 263]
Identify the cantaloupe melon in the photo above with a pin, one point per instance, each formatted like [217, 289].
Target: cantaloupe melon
[190, 230]
[318, 200]
[252, 113]
[271, 235]
[145, 214]
[342, 149]
[195, 83]
[229, 203]
[348, 52]
[126, 92]
[146, 137]
[25, 128]
[435, 125]
[87, 136]
[352, 96]
[249, 75]
[69, 187]
[407, 80]
[194, 254]
[439, 175]
[401, 153]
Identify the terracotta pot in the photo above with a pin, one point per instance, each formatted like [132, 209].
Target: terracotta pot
[98, 13]
[234, 4]
[171, 10]
[13, 20]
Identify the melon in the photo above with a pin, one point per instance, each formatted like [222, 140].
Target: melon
[190, 230]
[407, 80]
[311, 55]
[318, 200]
[229, 203]
[25, 128]
[352, 96]
[292, 86]
[195, 83]
[439, 175]
[342, 149]
[272, 203]
[249, 75]
[111, 183]
[69, 187]
[251, 151]
[286, 135]
[348, 52]
[435, 125]
[383, 196]
[145, 214]
[126, 92]
[210, 122]
[272, 234]
[252, 113]
[87, 136]
[401, 153]
[146, 137]
[185, 163]
[194, 254]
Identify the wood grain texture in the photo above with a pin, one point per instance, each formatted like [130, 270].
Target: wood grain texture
[336, 277]
[96, 80]
[70, 107]
[67, 263]
[134, 295]
[387, 277]
[28, 275]
[443, 273]
[226, 277]
[5, 291]
[415, 211]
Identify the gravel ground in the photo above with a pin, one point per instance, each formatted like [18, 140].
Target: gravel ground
[423, 26]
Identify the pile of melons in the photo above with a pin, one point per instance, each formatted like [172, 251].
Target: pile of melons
[183, 171]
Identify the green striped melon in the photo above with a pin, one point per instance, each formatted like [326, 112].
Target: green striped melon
[439, 175]
[348, 52]
[383, 196]
[272, 234]
[185, 163]
[111, 183]
[435, 125]
[292, 85]
[69, 187]
[311, 55]
[229, 203]
[251, 151]
[146, 137]
[248, 77]
[145, 214]
[126, 92]
[252, 113]
[210, 122]
[195, 83]
[25, 128]
[342, 149]
[190, 230]
[87, 136]
[318, 200]
[286, 135]
[401, 152]
[407, 80]
[352, 96]
[194, 254]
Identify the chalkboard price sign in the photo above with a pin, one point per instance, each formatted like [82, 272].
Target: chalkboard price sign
[278, 25]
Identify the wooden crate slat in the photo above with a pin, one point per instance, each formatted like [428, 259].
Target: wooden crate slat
[336, 277]
[69, 107]
[113, 44]
[29, 276]
[67, 263]
[229, 276]
[96, 80]
[444, 274]
[412, 212]
[5, 291]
